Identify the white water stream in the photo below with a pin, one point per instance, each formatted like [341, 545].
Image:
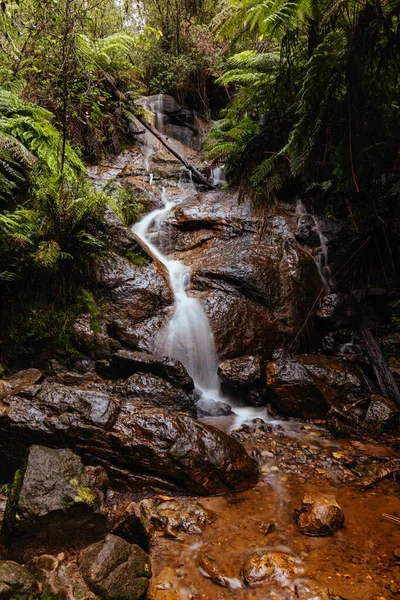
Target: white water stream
[187, 336]
[322, 258]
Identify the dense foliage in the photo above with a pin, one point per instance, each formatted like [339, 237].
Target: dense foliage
[316, 102]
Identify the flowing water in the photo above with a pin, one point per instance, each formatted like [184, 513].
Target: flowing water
[322, 257]
[188, 336]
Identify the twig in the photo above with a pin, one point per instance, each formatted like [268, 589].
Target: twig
[391, 518]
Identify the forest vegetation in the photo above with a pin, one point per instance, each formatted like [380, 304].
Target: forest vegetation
[307, 99]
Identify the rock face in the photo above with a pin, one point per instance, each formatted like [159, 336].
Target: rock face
[137, 444]
[319, 515]
[16, 583]
[252, 282]
[308, 385]
[266, 567]
[381, 412]
[115, 569]
[55, 503]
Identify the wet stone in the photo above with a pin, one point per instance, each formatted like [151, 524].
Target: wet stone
[319, 515]
[266, 567]
[175, 517]
[115, 569]
[16, 583]
[209, 567]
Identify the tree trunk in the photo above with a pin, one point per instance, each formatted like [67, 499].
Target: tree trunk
[380, 367]
[177, 155]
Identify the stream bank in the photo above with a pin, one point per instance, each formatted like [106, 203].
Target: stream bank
[129, 415]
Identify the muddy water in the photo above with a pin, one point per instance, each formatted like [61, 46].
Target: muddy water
[356, 563]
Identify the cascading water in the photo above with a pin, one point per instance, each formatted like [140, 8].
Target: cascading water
[218, 176]
[322, 258]
[188, 336]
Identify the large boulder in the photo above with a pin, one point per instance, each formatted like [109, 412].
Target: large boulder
[125, 363]
[245, 376]
[115, 569]
[308, 385]
[16, 583]
[138, 444]
[149, 389]
[135, 298]
[55, 503]
[252, 281]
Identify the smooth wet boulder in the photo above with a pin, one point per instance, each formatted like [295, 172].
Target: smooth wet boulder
[125, 363]
[294, 391]
[16, 582]
[319, 515]
[244, 376]
[149, 389]
[176, 516]
[242, 371]
[55, 503]
[115, 569]
[308, 385]
[19, 381]
[206, 407]
[137, 444]
[267, 567]
[134, 300]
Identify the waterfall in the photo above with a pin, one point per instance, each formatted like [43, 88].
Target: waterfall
[322, 257]
[188, 336]
[218, 176]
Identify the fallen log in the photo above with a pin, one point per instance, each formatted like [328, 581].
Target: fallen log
[380, 367]
[175, 153]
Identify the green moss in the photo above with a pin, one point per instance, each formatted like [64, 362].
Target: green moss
[137, 259]
[89, 305]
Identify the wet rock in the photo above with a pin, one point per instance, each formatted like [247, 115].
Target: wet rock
[381, 412]
[60, 579]
[242, 371]
[115, 569]
[148, 389]
[164, 586]
[19, 381]
[294, 391]
[307, 385]
[319, 515]
[336, 311]
[211, 568]
[213, 408]
[133, 296]
[118, 235]
[198, 456]
[250, 279]
[266, 567]
[137, 444]
[95, 345]
[55, 503]
[16, 583]
[306, 231]
[125, 363]
[175, 517]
